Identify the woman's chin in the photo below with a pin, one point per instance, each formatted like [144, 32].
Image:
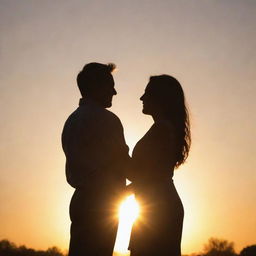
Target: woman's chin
[144, 111]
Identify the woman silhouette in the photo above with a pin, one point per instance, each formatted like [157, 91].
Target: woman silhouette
[162, 149]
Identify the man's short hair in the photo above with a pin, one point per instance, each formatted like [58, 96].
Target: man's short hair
[93, 75]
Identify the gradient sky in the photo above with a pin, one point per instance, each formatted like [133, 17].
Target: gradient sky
[208, 45]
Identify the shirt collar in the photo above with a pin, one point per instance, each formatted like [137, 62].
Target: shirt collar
[88, 102]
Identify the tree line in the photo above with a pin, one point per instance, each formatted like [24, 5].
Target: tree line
[214, 247]
[222, 247]
[8, 248]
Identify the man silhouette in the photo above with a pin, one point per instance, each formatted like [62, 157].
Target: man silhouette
[96, 154]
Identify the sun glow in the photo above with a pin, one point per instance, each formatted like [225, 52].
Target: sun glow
[128, 213]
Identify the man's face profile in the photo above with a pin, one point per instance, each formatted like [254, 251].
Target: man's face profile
[107, 91]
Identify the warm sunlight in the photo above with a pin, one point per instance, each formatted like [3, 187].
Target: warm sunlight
[128, 212]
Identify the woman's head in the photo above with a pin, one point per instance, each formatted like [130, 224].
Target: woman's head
[164, 99]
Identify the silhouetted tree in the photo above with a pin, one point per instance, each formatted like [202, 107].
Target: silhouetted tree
[54, 251]
[249, 251]
[219, 247]
[8, 248]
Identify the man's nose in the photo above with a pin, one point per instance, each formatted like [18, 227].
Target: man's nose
[114, 91]
[142, 97]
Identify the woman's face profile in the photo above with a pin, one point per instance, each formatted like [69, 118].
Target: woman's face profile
[149, 99]
[156, 99]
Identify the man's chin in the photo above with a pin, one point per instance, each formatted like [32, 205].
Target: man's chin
[108, 104]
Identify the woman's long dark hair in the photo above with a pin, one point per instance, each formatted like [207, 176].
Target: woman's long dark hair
[171, 96]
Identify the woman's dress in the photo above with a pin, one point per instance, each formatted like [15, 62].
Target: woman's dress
[158, 230]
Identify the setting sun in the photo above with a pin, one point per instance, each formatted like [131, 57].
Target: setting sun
[128, 213]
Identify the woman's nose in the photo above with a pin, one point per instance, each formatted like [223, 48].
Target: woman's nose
[142, 97]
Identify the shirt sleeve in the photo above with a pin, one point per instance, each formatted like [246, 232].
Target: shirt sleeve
[118, 159]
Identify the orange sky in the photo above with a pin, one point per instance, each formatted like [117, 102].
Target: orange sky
[208, 45]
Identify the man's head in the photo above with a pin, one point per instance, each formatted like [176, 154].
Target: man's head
[96, 82]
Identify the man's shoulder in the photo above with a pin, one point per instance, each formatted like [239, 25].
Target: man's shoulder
[73, 116]
[93, 117]
[112, 120]
[111, 115]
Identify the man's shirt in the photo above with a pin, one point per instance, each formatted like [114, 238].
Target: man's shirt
[95, 148]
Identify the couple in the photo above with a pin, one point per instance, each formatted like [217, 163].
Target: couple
[97, 165]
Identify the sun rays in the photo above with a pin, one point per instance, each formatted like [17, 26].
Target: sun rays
[128, 212]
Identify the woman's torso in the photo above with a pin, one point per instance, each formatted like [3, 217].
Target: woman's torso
[153, 161]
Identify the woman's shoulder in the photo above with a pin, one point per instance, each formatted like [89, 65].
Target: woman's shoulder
[162, 128]
[161, 133]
